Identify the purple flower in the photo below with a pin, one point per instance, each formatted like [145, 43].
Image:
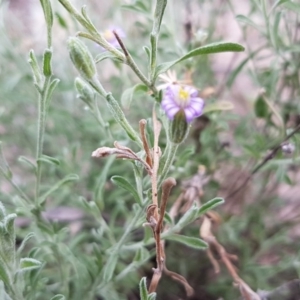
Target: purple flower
[182, 97]
[110, 37]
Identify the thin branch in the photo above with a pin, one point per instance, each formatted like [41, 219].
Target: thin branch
[226, 258]
[129, 60]
[268, 157]
[121, 43]
[157, 227]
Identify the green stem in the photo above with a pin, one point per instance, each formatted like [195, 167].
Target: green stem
[102, 123]
[128, 229]
[140, 75]
[6, 173]
[116, 111]
[153, 39]
[158, 16]
[117, 248]
[73, 11]
[19, 191]
[95, 36]
[41, 132]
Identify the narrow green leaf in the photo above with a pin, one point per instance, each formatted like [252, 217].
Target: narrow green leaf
[158, 15]
[89, 21]
[218, 106]
[210, 205]
[4, 273]
[152, 296]
[261, 108]
[239, 68]
[122, 182]
[28, 264]
[138, 255]
[275, 37]
[51, 89]
[58, 297]
[245, 20]
[3, 294]
[35, 68]
[78, 267]
[185, 155]
[147, 50]
[49, 160]
[98, 255]
[141, 255]
[293, 6]
[143, 289]
[2, 211]
[204, 50]
[9, 225]
[98, 196]
[188, 241]
[277, 3]
[68, 178]
[187, 218]
[110, 266]
[128, 94]
[24, 242]
[62, 22]
[104, 55]
[138, 6]
[213, 48]
[47, 12]
[168, 218]
[25, 160]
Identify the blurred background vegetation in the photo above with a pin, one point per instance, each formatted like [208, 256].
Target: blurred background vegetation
[260, 217]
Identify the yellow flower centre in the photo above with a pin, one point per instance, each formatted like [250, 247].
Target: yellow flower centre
[183, 95]
[108, 34]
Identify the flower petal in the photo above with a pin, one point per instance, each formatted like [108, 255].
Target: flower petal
[197, 104]
[172, 112]
[168, 103]
[190, 114]
[177, 97]
[192, 91]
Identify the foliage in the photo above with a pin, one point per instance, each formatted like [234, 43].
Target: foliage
[94, 228]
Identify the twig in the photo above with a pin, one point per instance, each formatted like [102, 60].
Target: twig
[268, 157]
[207, 235]
[156, 226]
[129, 61]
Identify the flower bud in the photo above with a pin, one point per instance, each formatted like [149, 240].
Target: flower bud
[47, 69]
[82, 58]
[179, 127]
[288, 148]
[84, 91]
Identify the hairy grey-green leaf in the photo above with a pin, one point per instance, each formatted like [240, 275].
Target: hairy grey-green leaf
[122, 182]
[143, 289]
[192, 242]
[210, 205]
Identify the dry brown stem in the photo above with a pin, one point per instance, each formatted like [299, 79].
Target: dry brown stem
[121, 152]
[157, 228]
[160, 253]
[175, 276]
[226, 258]
[156, 156]
[142, 124]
